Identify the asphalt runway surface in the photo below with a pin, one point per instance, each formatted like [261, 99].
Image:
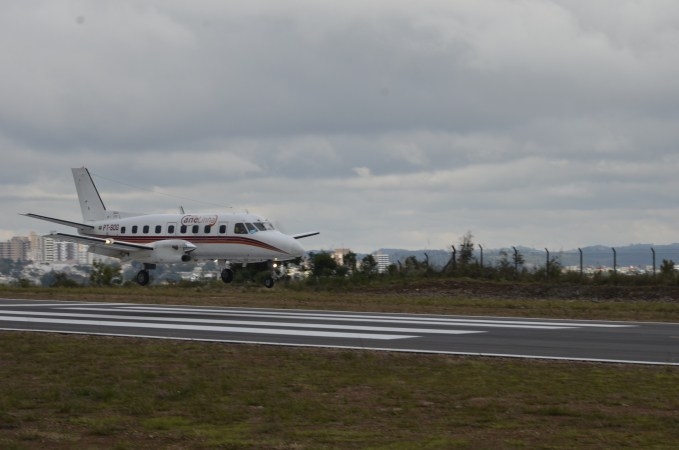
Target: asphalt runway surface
[602, 341]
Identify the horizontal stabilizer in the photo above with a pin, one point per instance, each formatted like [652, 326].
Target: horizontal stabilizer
[68, 223]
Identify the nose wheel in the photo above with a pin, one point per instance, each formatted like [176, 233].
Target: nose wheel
[227, 274]
[143, 277]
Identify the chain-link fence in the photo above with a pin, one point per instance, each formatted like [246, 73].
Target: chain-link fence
[625, 260]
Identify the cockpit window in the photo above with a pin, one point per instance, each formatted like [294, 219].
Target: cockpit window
[250, 228]
[239, 228]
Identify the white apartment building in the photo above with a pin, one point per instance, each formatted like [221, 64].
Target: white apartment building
[382, 261]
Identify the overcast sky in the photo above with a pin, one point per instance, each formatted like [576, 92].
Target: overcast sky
[378, 123]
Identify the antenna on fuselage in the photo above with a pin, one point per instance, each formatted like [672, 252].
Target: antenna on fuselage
[181, 210]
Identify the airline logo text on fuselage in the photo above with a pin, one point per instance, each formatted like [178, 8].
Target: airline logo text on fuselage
[199, 220]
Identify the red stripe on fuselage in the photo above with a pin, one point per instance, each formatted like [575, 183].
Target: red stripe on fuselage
[230, 240]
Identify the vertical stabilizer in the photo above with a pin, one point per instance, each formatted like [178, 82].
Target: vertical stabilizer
[90, 202]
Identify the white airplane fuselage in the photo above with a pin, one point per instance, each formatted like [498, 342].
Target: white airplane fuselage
[237, 238]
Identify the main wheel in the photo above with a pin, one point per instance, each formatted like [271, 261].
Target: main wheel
[143, 277]
[227, 275]
[268, 282]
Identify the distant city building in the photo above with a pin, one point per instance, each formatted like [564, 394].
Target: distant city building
[16, 249]
[339, 254]
[48, 251]
[44, 249]
[35, 244]
[69, 252]
[382, 261]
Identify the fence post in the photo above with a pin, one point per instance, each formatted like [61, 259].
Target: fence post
[615, 261]
[653, 251]
[580, 250]
[516, 261]
[481, 260]
[547, 264]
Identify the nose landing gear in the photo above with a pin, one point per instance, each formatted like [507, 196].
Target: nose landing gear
[227, 274]
[143, 277]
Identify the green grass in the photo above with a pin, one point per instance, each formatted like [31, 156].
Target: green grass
[62, 391]
[71, 391]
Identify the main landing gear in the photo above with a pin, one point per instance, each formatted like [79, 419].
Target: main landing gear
[227, 275]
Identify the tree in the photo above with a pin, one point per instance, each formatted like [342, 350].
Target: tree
[518, 259]
[368, 265]
[349, 261]
[324, 265]
[551, 271]
[504, 267]
[667, 269]
[61, 279]
[465, 255]
[104, 274]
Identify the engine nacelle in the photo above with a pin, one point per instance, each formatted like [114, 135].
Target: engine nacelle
[167, 251]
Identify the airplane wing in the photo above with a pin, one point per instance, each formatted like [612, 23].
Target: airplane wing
[81, 226]
[108, 244]
[303, 235]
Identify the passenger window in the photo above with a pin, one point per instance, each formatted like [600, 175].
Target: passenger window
[146, 229]
[222, 229]
[134, 229]
[122, 230]
[240, 229]
[158, 229]
[195, 229]
[170, 229]
[183, 229]
[207, 229]
[251, 228]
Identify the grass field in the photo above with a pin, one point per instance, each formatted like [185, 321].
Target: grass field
[70, 391]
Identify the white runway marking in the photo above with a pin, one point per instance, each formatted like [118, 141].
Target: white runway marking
[145, 320]
[272, 331]
[490, 323]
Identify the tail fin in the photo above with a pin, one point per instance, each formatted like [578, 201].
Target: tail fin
[90, 202]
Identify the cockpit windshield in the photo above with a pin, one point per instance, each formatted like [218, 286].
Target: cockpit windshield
[250, 228]
[263, 226]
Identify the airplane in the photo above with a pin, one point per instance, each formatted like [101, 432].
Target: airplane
[151, 239]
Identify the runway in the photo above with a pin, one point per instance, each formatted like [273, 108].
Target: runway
[619, 342]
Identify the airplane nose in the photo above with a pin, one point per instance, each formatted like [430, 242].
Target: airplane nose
[295, 248]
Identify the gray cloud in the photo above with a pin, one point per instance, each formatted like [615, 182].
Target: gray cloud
[381, 124]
